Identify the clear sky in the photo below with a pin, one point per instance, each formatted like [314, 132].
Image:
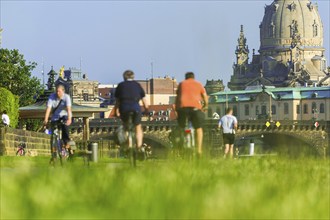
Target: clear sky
[112, 36]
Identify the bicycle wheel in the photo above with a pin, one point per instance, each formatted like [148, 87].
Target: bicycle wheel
[131, 149]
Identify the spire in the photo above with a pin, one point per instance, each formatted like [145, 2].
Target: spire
[51, 80]
[242, 50]
[241, 40]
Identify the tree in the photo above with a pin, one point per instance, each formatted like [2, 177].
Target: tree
[15, 75]
[9, 102]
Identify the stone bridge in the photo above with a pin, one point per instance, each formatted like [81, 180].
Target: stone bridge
[157, 132]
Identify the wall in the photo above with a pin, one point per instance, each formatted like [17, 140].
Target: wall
[35, 141]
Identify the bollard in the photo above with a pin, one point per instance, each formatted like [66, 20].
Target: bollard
[94, 152]
[251, 147]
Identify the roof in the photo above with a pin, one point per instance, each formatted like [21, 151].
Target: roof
[287, 93]
[38, 109]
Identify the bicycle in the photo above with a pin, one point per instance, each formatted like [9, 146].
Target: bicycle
[57, 143]
[189, 143]
[132, 152]
[183, 141]
[21, 149]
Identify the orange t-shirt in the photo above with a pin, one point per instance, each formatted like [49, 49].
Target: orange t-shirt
[190, 94]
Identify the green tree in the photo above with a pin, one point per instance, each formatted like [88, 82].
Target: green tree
[9, 102]
[15, 75]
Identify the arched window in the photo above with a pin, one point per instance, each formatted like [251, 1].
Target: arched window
[315, 29]
[235, 110]
[314, 108]
[286, 108]
[322, 108]
[246, 110]
[218, 110]
[257, 110]
[273, 109]
[305, 108]
[209, 112]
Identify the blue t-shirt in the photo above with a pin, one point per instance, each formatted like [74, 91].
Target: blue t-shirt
[61, 111]
[129, 94]
[227, 123]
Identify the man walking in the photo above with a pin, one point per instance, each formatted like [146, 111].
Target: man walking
[191, 101]
[228, 123]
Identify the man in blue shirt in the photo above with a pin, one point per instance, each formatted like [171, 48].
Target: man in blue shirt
[228, 123]
[128, 95]
[59, 106]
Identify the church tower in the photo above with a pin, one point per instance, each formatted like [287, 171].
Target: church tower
[242, 50]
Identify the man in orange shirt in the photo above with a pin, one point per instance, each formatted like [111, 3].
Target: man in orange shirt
[190, 103]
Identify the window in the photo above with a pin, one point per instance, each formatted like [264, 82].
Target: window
[218, 110]
[85, 96]
[286, 108]
[322, 108]
[246, 110]
[273, 110]
[209, 112]
[263, 110]
[305, 109]
[257, 110]
[314, 108]
[298, 109]
[235, 110]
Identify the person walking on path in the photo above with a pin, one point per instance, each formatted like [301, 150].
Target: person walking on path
[228, 124]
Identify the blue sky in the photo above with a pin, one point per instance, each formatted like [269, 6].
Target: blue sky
[112, 36]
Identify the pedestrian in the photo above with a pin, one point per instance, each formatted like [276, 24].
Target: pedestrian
[5, 118]
[191, 102]
[228, 124]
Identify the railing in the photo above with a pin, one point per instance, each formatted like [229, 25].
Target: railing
[111, 124]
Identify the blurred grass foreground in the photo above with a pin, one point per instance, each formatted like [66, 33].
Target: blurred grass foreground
[263, 188]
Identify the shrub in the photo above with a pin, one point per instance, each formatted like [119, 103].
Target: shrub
[9, 102]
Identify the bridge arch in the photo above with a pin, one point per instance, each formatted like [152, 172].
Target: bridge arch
[288, 143]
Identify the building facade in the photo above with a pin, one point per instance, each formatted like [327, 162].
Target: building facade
[262, 103]
[160, 91]
[84, 91]
[291, 52]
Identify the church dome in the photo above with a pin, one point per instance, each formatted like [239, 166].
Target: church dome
[285, 20]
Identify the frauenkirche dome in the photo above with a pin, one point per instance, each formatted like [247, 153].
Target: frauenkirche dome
[291, 49]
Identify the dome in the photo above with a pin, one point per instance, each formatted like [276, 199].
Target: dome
[286, 20]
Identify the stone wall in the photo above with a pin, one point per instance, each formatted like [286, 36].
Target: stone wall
[36, 142]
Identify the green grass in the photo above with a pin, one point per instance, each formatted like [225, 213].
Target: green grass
[264, 188]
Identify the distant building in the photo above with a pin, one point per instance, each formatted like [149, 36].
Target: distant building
[84, 91]
[213, 86]
[107, 92]
[291, 52]
[160, 91]
[303, 103]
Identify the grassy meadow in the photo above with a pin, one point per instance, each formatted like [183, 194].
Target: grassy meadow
[251, 188]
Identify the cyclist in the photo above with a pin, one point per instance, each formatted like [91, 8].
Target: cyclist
[190, 103]
[128, 95]
[59, 104]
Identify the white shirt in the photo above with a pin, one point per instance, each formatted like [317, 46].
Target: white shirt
[227, 123]
[5, 119]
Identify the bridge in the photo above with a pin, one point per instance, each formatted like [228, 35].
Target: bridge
[314, 134]
[156, 133]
